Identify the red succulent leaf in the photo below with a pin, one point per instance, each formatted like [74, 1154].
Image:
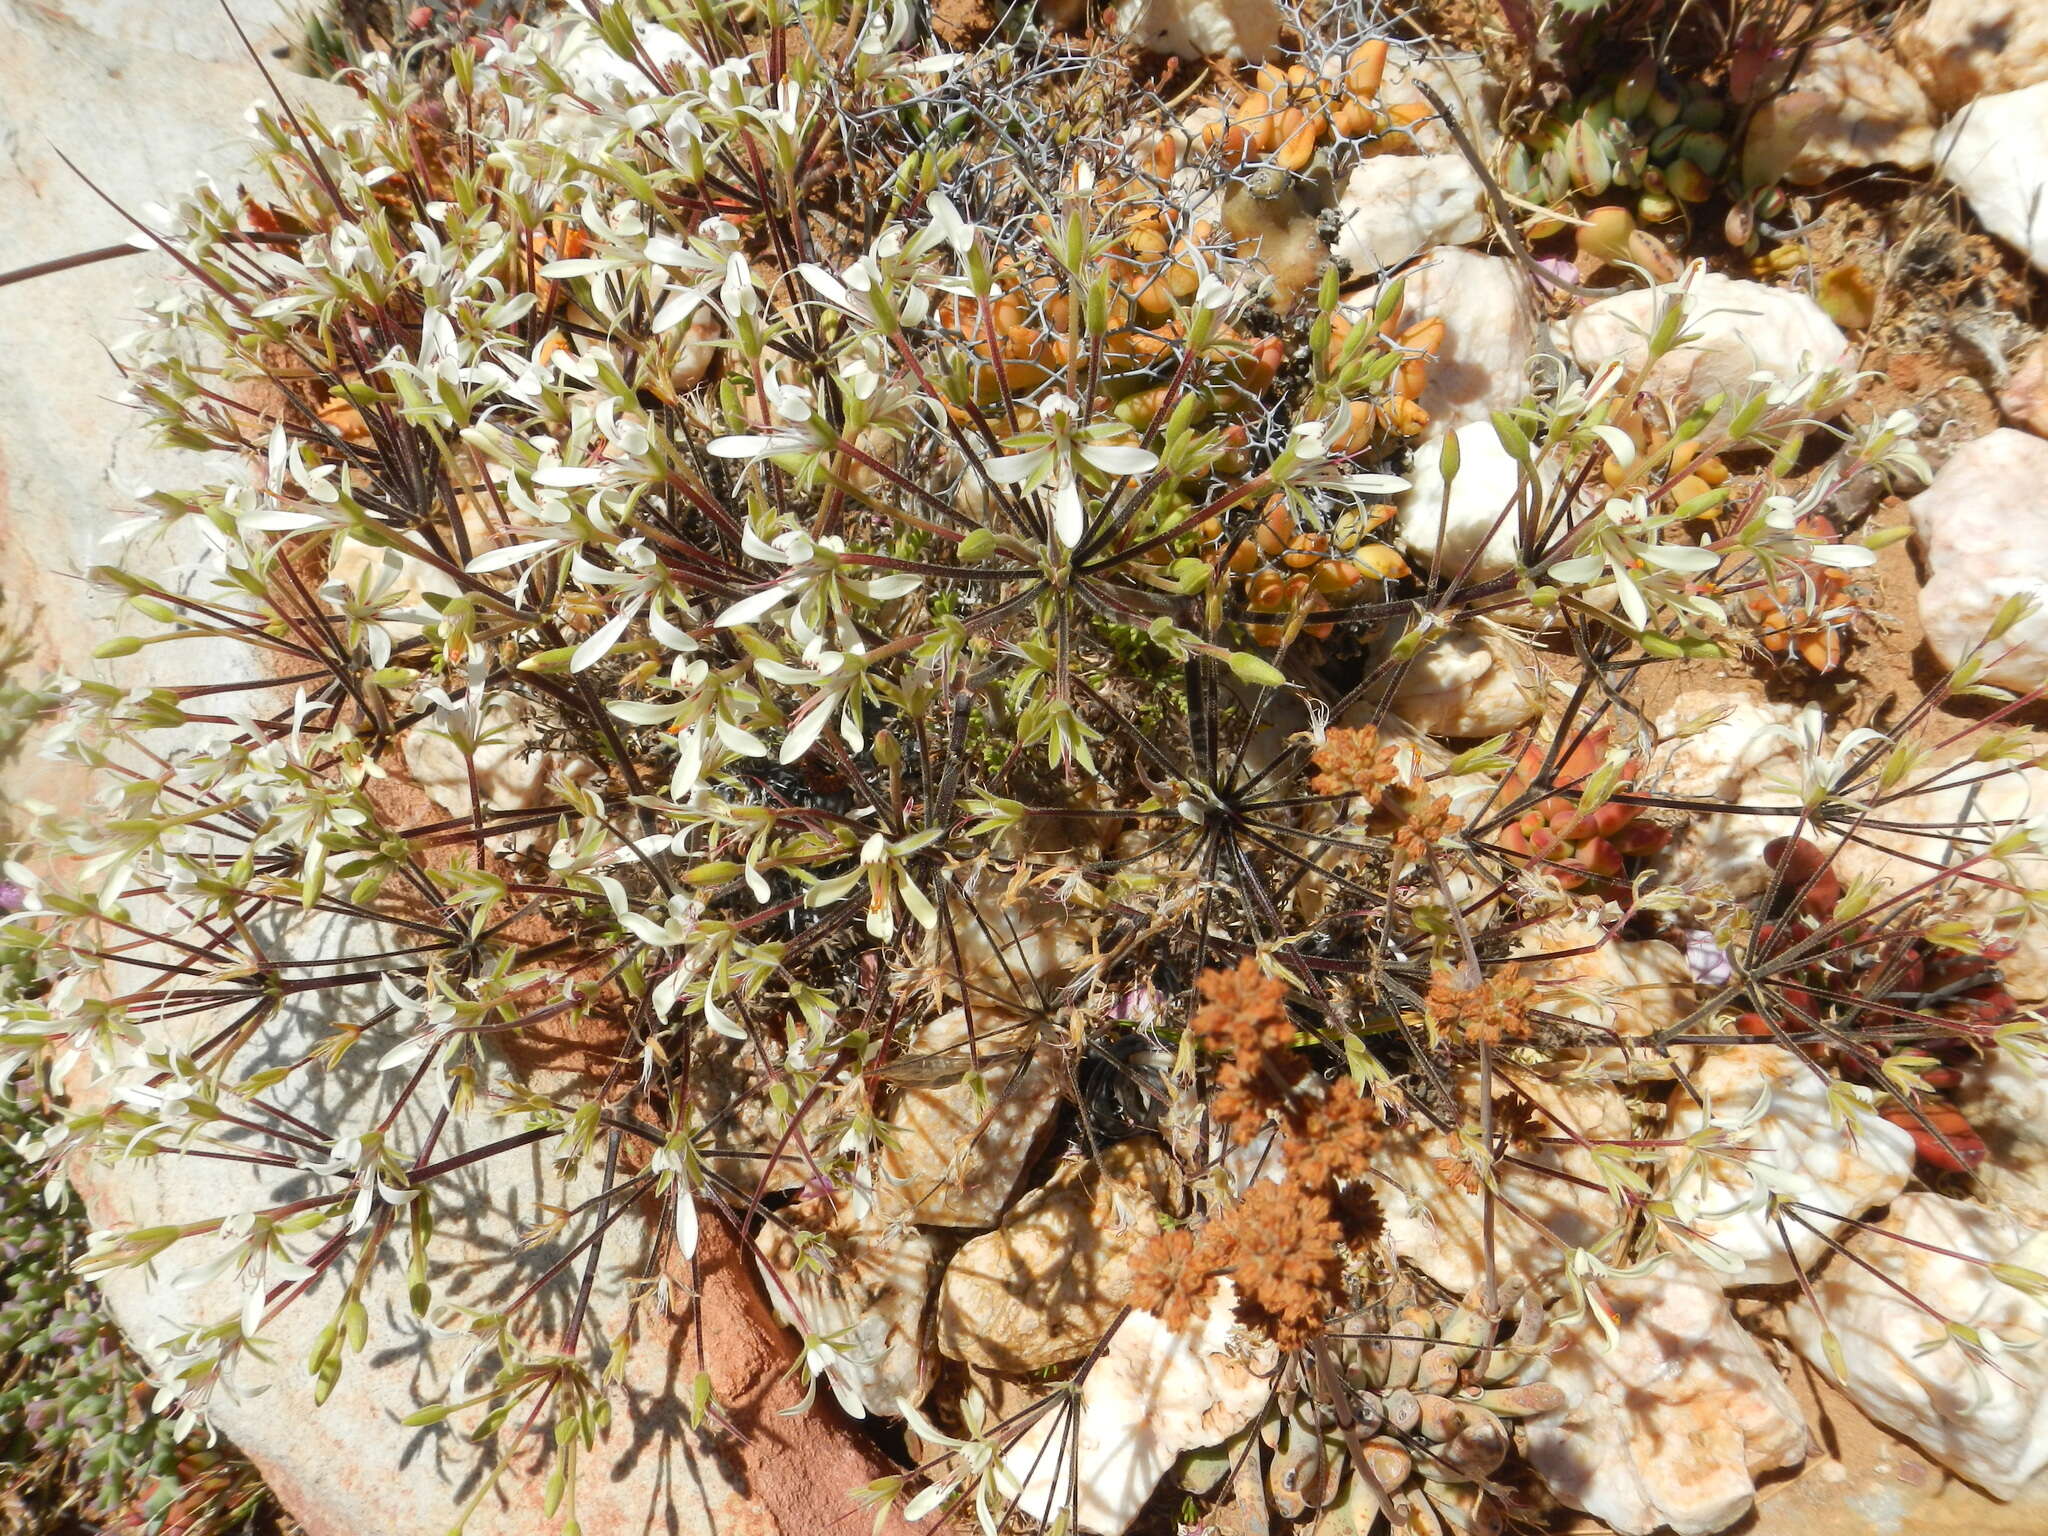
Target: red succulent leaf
[1964, 1148]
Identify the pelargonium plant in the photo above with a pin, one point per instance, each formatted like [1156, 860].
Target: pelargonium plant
[782, 576]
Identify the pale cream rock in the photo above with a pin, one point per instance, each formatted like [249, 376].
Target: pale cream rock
[959, 1153]
[861, 1285]
[1960, 810]
[1739, 328]
[1631, 989]
[1440, 1227]
[1491, 332]
[1982, 524]
[1852, 105]
[700, 350]
[1780, 1137]
[2005, 1098]
[1477, 522]
[1963, 49]
[195, 31]
[1726, 750]
[1241, 31]
[1008, 947]
[1150, 1396]
[1393, 206]
[1466, 685]
[1991, 152]
[1671, 1425]
[513, 771]
[2024, 399]
[1985, 1420]
[1044, 1286]
[1467, 87]
[745, 1132]
[143, 97]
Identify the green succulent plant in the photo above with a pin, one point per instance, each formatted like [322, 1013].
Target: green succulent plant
[1662, 147]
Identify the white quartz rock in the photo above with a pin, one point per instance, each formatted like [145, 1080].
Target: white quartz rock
[862, 1284]
[1394, 206]
[1958, 810]
[1462, 80]
[1963, 49]
[1669, 1425]
[1985, 1420]
[1043, 1287]
[1725, 749]
[2006, 186]
[2024, 398]
[1982, 524]
[1242, 31]
[1630, 989]
[1491, 331]
[1852, 105]
[1780, 1136]
[1439, 1227]
[1150, 1396]
[1740, 329]
[1007, 947]
[2005, 1098]
[1477, 522]
[1466, 685]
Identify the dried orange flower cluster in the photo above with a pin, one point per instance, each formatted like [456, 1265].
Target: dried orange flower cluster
[1426, 820]
[1493, 1009]
[1576, 843]
[1352, 762]
[1282, 1243]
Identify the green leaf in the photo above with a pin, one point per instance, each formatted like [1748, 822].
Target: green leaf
[700, 1399]
[1832, 1348]
[1256, 671]
[1476, 759]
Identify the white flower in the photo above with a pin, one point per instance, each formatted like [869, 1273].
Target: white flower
[1821, 770]
[1045, 462]
[803, 428]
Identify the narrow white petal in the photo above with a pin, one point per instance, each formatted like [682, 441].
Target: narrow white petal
[1120, 458]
